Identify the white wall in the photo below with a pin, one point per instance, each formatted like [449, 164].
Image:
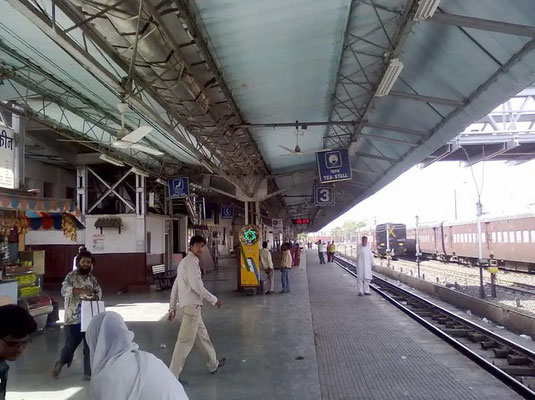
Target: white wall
[156, 226]
[38, 172]
[52, 237]
[128, 241]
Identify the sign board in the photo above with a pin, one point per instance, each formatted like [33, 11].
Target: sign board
[179, 187]
[333, 165]
[277, 226]
[98, 243]
[301, 221]
[7, 158]
[324, 195]
[227, 212]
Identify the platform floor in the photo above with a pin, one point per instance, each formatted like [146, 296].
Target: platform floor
[368, 349]
[320, 341]
[261, 337]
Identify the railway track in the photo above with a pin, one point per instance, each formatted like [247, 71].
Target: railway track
[510, 362]
[462, 277]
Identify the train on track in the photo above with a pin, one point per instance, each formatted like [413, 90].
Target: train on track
[507, 242]
[389, 237]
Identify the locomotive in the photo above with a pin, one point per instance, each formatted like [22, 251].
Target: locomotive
[392, 238]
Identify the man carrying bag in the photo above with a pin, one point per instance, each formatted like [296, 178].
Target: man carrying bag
[78, 285]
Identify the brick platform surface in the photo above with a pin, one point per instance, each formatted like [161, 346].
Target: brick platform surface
[368, 349]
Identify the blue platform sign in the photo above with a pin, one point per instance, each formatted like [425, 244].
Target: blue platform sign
[227, 212]
[179, 187]
[324, 195]
[333, 165]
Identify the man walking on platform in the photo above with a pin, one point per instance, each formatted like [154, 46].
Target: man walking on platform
[364, 267]
[78, 285]
[266, 262]
[189, 293]
[321, 251]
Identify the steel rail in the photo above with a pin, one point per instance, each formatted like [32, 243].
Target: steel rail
[504, 377]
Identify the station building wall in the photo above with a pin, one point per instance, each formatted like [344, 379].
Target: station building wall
[156, 228]
[61, 182]
[120, 258]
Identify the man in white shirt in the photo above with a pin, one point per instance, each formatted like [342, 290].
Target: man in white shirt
[190, 292]
[266, 262]
[364, 267]
[322, 248]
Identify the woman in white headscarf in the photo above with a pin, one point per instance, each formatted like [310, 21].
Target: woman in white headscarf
[120, 371]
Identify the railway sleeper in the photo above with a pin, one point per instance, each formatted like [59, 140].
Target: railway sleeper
[476, 337]
[515, 359]
[443, 320]
[454, 324]
[436, 315]
[516, 370]
[489, 344]
[457, 332]
[502, 352]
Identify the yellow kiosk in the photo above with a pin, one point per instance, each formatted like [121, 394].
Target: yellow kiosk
[249, 256]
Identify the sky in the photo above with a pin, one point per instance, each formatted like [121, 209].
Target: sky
[430, 193]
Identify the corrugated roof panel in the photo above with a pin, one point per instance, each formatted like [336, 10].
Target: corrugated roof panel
[279, 59]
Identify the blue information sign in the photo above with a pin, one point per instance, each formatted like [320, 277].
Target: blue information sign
[333, 165]
[179, 187]
[323, 195]
[227, 212]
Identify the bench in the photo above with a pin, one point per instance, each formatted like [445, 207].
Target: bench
[162, 279]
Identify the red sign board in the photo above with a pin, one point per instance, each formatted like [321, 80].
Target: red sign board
[301, 221]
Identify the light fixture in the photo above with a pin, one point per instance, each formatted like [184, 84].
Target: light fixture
[352, 149]
[140, 172]
[113, 161]
[206, 165]
[161, 182]
[426, 9]
[389, 78]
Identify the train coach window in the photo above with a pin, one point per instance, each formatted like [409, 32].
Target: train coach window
[518, 237]
[525, 236]
[511, 237]
[484, 237]
[506, 237]
[532, 236]
[493, 236]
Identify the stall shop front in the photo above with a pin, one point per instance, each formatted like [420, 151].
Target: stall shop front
[21, 269]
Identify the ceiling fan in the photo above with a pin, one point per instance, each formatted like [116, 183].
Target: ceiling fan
[125, 139]
[297, 150]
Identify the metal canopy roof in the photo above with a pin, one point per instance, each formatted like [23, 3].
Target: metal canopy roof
[206, 74]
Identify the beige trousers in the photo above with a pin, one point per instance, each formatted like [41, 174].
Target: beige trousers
[192, 331]
[270, 280]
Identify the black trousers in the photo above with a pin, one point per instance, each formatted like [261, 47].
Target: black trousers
[73, 338]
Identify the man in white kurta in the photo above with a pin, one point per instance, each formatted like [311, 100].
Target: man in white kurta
[364, 267]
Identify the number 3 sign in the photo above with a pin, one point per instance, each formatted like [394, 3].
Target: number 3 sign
[323, 195]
